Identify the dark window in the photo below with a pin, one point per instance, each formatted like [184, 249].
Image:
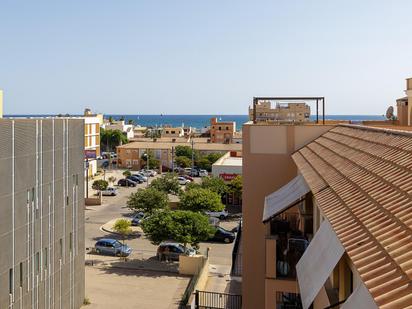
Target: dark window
[21, 274]
[10, 281]
[67, 200]
[45, 258]
[37, 262]
[71, 241]
[61, 247]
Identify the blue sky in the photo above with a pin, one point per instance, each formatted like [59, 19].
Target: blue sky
[201, 57]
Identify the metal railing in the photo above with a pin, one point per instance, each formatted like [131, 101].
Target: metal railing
[236, 269]
[214, 300]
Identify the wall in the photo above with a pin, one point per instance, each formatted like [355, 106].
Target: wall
[42, 212]
[1, 103]
[267, 166]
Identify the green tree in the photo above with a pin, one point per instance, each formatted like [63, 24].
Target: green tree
[199, 199]
[213, 157]
[148, 200]
[186, 151]
[130, 121]
[110, 139]
[168, 183]
[236, 185]
[214, 184]
[111, 179]
[100, 185]
[110, 119]
[183, 161]
[185, 227]
[122, 227]
[193, 185]
[127, 173]
[205, 164]
[153, 163]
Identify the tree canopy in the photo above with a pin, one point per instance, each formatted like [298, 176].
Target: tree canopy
[183, 161]
[153, 162]
[168, 183]
[100, 185]
[148, 200]
[110, 139]
[214, 184]
[185, 227]
[200, 199]
[236, 185]
[122, 227]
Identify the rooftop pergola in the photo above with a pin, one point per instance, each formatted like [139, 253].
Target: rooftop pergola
[288, 100]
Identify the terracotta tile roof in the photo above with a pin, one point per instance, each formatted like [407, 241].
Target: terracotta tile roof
[361, 178]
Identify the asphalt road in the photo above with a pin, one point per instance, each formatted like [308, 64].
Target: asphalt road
[115, 207]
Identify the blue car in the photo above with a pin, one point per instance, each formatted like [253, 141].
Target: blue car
[110, 246]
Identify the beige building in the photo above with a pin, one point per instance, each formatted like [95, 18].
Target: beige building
[92, 140]
[222, 131]
[404, 106]
[127, 129]
[173, 132]
[228, 166]
[129, 155]
[281, 112]
[326, 217]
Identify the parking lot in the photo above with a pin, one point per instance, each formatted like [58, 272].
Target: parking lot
[144, 252]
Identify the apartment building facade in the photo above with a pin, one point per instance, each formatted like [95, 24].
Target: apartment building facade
[281, 112]
[327, 218]
[42, 213]
[172, 132]
[130, 155]
[222, 131]
[92, 140]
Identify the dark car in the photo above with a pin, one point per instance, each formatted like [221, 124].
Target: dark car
[188, 177]
[222, 235]
[137, 218]
[134, 178]
[126, 183]
[172, 251]
[112, 247]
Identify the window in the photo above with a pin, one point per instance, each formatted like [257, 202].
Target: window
[61, 247]
[71, 242]
[11, 281]
[37, 262]
[21, 275]
[45, 257]
[67, 200]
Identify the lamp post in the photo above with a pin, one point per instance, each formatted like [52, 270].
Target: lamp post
[146, 155]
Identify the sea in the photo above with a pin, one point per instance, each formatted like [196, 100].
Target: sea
[201, 121]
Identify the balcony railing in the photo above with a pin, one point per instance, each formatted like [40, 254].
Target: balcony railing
[236, 269]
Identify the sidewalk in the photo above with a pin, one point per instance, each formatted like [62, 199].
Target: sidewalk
[219, 280]
[108, 227]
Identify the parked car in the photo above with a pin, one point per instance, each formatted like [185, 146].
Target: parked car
[112, 247]
[147, 173]
[140, 176]
[126, 183]
[110, 191]
[188, 177]
[182, 180]
[194, 172]
[218, 214]
[137, 218]
[172, 251]
[223, 235]
[203, 173]
[134, 178]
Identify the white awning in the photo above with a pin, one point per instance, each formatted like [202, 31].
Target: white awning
[281, 199]
[360, 298]
[318, 262]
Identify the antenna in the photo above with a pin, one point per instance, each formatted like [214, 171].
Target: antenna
[389, 113]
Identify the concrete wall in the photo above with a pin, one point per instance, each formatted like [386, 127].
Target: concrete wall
[1, 103]
[41, 213]
[267, 166]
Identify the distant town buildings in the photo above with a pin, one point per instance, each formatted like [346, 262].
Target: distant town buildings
[92, 123]
[404, 106]
[130, 155]
[172, 131]
[42, 213]
[127, 129]
[222, 131]
[281, 112]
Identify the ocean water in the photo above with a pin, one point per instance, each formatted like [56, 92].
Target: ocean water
[200, 121]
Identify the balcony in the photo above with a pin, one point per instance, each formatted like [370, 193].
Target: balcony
[287, 240]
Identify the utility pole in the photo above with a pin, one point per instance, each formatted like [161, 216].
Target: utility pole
[193, 156]
[173, 159]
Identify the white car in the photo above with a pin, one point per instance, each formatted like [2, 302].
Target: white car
[183, 181]
[217, 214]
[110, 191]
[203, 173]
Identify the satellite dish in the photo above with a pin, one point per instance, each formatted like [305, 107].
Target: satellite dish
[389, 113]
